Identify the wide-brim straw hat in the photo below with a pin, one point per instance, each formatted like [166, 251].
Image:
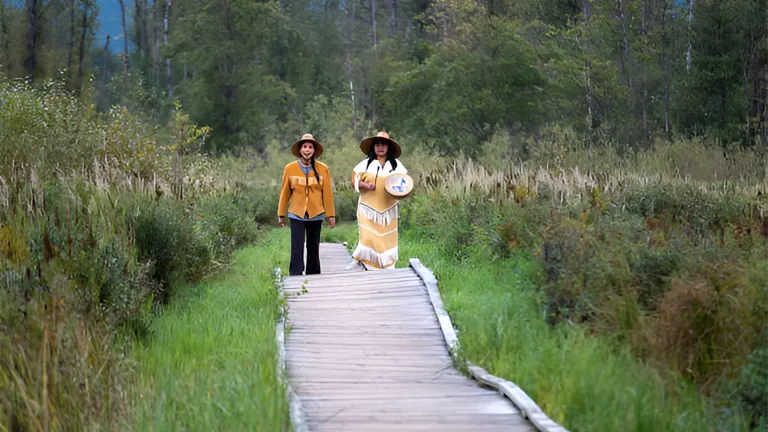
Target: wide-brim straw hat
[307, 138]
[367, 143]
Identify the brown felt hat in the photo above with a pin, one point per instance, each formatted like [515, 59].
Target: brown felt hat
[367, 144]
[307, 138]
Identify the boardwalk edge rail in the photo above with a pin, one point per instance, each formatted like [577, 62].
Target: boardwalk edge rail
[519, 398]
[298, 423]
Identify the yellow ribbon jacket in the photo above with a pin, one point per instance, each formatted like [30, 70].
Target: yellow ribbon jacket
[305, 194]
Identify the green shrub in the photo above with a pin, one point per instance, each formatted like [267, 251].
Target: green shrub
[459, 227]
[652, 270]
[700, 214]
[223, 225]
[66, 293]
[163, 237]
[260, 202]
[751, 386]
[93, 234]
[86, 266]
[346, 205]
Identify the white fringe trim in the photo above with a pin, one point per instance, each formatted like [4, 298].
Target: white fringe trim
[382, 260]
[381, 218]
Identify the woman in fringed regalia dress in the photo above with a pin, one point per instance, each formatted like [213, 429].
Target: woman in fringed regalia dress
[377, 213]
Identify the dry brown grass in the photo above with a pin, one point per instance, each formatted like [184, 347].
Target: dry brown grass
[706, 326]
[563, 185]
[59, 373]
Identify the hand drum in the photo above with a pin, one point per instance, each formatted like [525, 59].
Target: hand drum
[399, 185]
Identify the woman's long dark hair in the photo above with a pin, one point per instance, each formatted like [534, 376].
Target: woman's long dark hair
[312, 162]
[390, 155]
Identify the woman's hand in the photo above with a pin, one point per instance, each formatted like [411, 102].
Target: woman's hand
[332, 222]
[281, 222]
[364, 185]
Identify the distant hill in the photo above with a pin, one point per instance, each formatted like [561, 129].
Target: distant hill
[110, 23]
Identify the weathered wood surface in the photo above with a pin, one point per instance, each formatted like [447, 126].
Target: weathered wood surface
[365, 352]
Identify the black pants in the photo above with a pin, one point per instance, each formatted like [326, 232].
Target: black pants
[298, 230]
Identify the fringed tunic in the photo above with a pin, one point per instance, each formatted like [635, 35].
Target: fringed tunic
[377, 216]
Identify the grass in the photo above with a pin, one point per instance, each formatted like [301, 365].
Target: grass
[580, 381]
[581, 377]
[212, 364]
[343, 232]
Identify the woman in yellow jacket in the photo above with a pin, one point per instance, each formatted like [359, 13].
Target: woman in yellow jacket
[307, 186]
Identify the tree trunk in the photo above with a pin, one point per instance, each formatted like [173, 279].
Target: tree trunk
[165, 43]
[587, 8]
[762, 93]
[665, 70]
[444, 20]
[145, 28]
[71, 48]
[5, 60]
[626, 55]
[374, 31]
[758, 77]
[393, 18]
[689, 55]
[81, 53]
[155, 44]
[761, 96]
[746, 66]
[592, 117]
[140, 23]
[125, 41]
[281, 47]
[644, 79]
[373, 23]
[105, 63]
[137, 27]
[754, 67]
[31, 61]
[667, 105]
[349, 11]
[228, 89]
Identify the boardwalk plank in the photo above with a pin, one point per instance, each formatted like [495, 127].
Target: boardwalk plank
[365, 352]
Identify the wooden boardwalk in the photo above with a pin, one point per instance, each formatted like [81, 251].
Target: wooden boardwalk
[365, 352]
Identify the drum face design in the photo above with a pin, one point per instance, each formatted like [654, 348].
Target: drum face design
[399, 185]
